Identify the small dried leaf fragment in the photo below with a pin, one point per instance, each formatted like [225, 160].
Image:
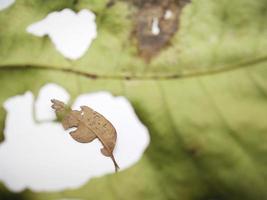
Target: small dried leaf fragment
[90, 125]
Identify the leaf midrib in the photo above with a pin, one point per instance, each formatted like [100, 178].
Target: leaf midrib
[156, 76]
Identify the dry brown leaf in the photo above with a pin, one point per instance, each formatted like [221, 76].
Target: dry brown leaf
[90, 125]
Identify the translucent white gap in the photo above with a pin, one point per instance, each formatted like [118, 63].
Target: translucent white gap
[155, 26]
[43, 101]
[168, 14]
[72, 33]
[44, 157]
[4, 4]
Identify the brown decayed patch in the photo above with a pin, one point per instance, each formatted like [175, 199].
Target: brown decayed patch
[167, 12]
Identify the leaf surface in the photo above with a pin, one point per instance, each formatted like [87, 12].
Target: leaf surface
[203, 98]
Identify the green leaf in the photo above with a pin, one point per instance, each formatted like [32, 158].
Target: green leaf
[203, 98]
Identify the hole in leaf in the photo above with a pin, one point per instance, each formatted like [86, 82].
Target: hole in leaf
[72, 33]
[4, 4]
[168, 14]
[155, 26]
[43, 103]
[44, 157]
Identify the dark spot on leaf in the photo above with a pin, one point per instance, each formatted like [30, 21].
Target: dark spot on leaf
[193, 150]
[92, 76]
[127, 78]
[2, 124]
[110, 3]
